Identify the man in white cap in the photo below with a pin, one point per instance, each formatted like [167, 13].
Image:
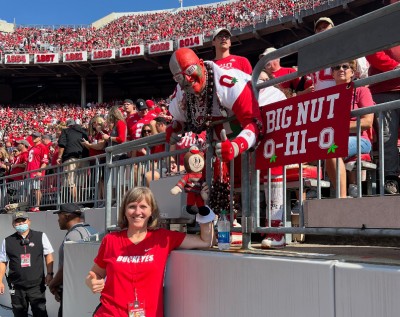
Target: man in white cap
[273, 69]
[323, 78]
[323, 24]
[223, 58]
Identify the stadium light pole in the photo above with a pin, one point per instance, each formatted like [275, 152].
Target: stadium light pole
[181, 2]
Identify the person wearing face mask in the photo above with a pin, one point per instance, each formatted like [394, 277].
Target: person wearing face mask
[23, 252]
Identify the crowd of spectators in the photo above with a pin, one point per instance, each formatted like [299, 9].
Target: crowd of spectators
[148, 27]
[18, 122]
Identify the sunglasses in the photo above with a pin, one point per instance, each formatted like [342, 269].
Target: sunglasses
[180, 77]
[146, 131]
[338, 67]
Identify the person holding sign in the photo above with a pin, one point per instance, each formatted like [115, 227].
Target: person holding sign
[344, 74]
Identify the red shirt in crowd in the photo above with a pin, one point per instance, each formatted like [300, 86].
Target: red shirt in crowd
[283, 71]
[22, 158]
[38, 155]
[236, 62]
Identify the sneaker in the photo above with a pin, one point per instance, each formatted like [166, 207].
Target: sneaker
[34, 209]
[273, 241]
[236, 237]
[353, 190]
[391, 187]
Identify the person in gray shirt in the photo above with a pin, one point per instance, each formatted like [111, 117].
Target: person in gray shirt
[70, 218]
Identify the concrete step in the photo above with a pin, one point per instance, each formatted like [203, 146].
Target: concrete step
[367, 212]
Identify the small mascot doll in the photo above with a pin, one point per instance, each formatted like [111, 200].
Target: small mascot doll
[192, 182]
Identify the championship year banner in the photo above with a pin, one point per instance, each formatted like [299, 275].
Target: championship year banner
[70, 57]
[130, 51]
[108, 53]
[191, 41]
[16, 58]
[306, 128]
[47, 58]
[160, 47]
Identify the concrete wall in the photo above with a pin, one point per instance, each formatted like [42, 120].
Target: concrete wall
[220, 284]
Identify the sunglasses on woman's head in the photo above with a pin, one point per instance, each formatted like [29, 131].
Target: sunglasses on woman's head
[338, 67]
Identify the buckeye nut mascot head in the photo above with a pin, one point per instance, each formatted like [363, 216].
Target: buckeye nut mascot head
[192, 182]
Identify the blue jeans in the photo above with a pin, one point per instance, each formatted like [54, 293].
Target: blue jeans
[365, 146]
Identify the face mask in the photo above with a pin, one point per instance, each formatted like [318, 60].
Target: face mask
[22, 228]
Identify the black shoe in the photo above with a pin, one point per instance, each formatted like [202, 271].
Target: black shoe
[192, 209]
[392, 185]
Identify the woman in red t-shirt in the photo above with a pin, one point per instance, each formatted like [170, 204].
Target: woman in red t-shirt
[134, 259]
[344, 74]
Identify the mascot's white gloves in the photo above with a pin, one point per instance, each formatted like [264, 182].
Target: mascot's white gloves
[204, 219]
[176, 190]
[172, 132]
[227, 150]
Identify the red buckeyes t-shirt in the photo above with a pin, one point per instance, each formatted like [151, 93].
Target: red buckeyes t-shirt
[131, 267]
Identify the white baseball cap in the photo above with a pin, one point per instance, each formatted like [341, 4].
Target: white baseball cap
[217, 31]
[267, 51]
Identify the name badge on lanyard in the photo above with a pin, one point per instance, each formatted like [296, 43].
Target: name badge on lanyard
[25, 260]
[136, 310]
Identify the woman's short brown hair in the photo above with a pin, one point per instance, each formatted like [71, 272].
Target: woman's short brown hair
[137, 194]
[353, 65]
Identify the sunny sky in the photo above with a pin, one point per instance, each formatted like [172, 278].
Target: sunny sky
[72, 12]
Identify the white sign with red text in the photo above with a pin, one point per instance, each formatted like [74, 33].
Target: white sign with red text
[131, 51]
[49, 58]
[72, 57]
[16, 58]
[161, 47]
[191, 41]
[108, 53]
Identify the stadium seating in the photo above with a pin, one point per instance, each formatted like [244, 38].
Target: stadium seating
[150, 27]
